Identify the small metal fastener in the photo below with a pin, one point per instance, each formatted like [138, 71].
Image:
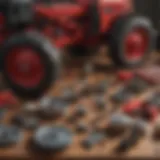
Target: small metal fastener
[137, 85]
[80, 111]
[93, 139]
[55, 108]
[101, 86]
[69, 94]
[25, 121]
[121, 96]
[100, 103]
[81, 127]
[18, 120]
[45, 101]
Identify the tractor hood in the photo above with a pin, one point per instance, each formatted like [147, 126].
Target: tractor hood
[59, 10]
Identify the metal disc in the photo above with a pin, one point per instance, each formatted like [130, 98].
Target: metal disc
[27, 122]
[52, 137]
[119, 119]
[53, 107]
[9, 135]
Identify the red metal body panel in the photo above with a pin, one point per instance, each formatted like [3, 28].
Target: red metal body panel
[69, 23]
[110, 10]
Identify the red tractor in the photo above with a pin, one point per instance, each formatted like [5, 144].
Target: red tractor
[32, 30]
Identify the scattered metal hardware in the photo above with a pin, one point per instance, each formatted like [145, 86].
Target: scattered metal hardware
[93, 139]
[32, 123]
[137, 85]
[84, 88]
[132, 139]
[45, 101]
[155, 100]
[69, 94]
[72, 119]
[9, 135]
[53, 107]
[27, 122]
[150, 74]
[119, 123]
[128, 142]
[81, 128]
[30, 107]
[52, 138]
[18, 120]
[140, 126]
[121, 96]
[80, 111]
[100, 86]
[100, 102]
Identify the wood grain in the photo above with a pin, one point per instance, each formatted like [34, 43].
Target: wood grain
[70, 77]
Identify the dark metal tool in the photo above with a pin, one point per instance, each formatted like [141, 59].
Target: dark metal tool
[93, 139]
[137, 131]
[9, 135]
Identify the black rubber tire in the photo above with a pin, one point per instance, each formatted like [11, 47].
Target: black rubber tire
[50, 59]
[122, 26]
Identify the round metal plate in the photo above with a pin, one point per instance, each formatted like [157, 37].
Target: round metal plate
[52, 137]
[9, 135]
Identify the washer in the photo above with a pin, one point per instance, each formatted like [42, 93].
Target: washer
[52, 138]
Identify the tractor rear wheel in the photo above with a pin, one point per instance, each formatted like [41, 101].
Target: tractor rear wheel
[132, 39]
[29, 64]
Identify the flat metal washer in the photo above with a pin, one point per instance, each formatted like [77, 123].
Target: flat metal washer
[53, 107]
[9, 135]
[52, 137]
[25, 121]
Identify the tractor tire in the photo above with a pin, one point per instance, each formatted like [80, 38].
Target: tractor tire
[131, 39]
[30, 64]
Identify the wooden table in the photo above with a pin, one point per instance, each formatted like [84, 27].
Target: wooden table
[146, 148]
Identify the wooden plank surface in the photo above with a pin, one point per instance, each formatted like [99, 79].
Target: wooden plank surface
[71, 78]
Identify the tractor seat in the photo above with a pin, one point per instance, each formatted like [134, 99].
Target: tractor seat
[3, 6]
[16, 12]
